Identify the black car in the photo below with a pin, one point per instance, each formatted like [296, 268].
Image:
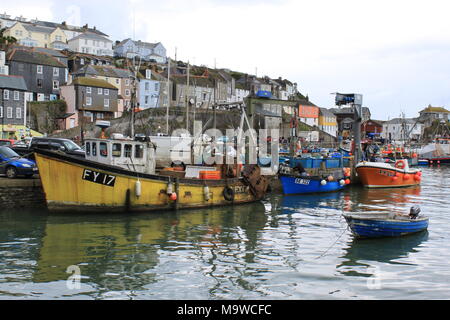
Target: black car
[56, 144]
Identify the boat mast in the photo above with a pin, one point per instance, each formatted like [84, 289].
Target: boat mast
[168, 96]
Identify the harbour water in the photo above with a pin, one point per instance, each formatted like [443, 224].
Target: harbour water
[294, 247]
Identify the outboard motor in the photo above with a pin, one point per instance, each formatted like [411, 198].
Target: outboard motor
[414, 212]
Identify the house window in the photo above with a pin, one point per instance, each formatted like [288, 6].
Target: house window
[106, 104]
[40, 69]
[18, 113]
[58, 38]
[81, 61]
[5, 94]
[127, 82]
[1, 112]
[9, 112]
[106, 92]
[16, 96]
[55, 84]
[156, 86]
[88, 101]
[117, 81]
[39, 83]
[100, 91]
[88, 90]
[127, 92]
[147, 86]
[20, 67]
[146, 99]
[56, 72]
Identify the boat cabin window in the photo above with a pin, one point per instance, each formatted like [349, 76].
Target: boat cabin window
[103, 149]
[88, 148]
[94, 149]
[116, 150]
[138, 151]
[127, 150]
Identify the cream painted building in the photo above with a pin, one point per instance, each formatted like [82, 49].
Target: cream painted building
[31, 35]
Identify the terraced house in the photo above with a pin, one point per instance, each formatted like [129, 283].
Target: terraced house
[119, 78]
[43, 73]
[89, 99]
[34, 35]
[12, 105]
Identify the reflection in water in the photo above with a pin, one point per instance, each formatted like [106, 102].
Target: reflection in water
[382, 199]
[285, 247]
[363, 252]
[119, 252]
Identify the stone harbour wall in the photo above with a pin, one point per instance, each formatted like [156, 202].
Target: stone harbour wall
[21, 193]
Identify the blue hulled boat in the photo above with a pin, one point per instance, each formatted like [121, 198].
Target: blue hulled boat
[376, 225]
[298, 185]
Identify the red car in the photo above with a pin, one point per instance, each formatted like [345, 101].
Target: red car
[7, 142]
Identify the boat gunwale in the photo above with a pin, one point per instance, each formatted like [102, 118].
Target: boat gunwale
[360, 217]
[128, 173]
[412, 171]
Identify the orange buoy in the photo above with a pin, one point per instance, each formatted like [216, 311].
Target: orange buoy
[347, 181]
[394, 178]
[173, 196]
[406, 176]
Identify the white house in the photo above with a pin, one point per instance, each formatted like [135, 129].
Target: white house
[399, 129]
[129, 48]
[91, 43]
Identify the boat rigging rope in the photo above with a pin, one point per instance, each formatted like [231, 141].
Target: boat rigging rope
[333, 243]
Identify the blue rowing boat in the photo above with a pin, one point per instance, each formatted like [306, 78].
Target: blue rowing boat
[376, 225]
[298, 185]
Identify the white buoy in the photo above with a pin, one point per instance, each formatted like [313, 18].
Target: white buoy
[206, 193]
[342, 182]
[138, 188]
[323, 182]
[170, 188]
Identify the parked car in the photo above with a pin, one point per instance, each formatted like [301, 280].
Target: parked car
[12, 165]
[7, 142]
[53, 144]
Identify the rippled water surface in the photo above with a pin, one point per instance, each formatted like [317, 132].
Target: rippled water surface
[295, 247]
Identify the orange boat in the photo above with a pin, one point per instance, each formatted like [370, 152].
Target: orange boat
[385, 175]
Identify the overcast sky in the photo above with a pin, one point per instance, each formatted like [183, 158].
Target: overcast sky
[395, 53]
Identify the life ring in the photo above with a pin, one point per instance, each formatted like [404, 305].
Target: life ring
[228, 194]
[400, 164]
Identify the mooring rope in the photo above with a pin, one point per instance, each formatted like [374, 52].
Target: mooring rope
[332, 244]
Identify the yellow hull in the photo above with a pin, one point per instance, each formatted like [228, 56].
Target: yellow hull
[78, 184]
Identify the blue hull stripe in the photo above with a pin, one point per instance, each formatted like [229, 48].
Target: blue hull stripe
[299, 185]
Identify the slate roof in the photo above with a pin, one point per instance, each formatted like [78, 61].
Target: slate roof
[92, 82]
[104, 71]
[435, 109]
[34, 57]
[36, 28]
[140, 43]
[91, 36]
[13, 82]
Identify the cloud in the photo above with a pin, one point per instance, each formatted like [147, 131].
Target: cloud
[392, 52]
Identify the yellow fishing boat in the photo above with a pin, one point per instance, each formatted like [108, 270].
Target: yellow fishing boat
[71, 183]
